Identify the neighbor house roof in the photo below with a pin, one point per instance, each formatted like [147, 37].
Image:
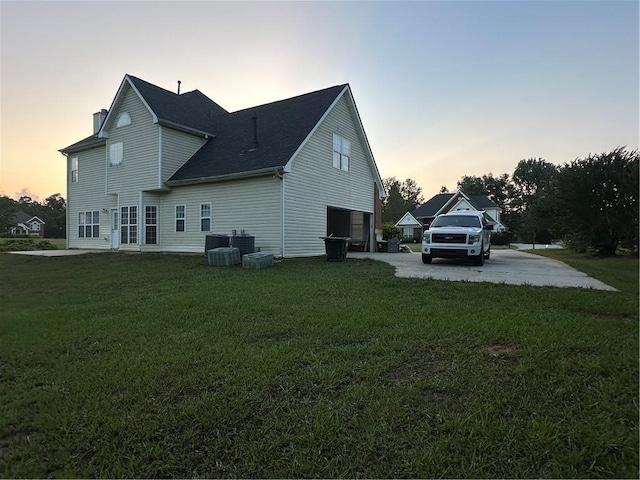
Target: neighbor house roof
[432, 206]
[25, 218]
[436, 203]
[281, 128]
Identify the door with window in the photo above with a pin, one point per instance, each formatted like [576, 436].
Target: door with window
[115, 228]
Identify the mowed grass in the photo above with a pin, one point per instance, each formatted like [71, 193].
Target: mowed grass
[116, 365]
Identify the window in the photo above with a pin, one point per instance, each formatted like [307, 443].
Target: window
[151, 225]
[74, 170]
[129, 224]
[89, 224]
[180, 218]
[123, 120]
[341, 152]
[116, 152]
[35, 226]
[205, 217]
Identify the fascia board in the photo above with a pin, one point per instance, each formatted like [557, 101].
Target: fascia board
[287, 166]
[369, 152]
[221, 178]
[125, 81]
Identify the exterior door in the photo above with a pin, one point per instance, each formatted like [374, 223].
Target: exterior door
[115, 229]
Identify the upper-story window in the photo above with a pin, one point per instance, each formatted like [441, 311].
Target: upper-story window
[341, 152]
[74, 169]
[123, 120]
[35, 226]
[116, 153]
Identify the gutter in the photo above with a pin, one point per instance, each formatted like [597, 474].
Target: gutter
[231, 176]
[183, 128]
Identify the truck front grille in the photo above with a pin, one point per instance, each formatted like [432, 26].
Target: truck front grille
[449, 238]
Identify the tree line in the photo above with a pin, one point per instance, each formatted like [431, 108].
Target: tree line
[591, 203]
[52, 211]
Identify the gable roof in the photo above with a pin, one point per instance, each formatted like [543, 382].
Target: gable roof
[282, 127]
[22, 217]
[432, 206]
[282, 130]
[436, 203]
[193, 110]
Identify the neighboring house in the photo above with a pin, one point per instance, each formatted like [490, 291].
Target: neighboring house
[415, 222]
[162, 170]
[26, 224]
[411, 228]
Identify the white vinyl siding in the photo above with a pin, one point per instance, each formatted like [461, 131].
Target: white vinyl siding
[177, 148]
[313, 171]
[88, 195]
[139, 169]
[250, 204]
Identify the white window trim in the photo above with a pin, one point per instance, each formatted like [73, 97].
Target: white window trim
[74, 169]
[147, 224]
[131, 227]
[116, 154]
[341, 152]
[183, 218]
[209, 217]
[84, 223]
[124, 119]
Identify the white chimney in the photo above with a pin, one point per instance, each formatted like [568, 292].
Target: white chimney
[98, 118]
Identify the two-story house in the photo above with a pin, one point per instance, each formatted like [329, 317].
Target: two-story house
[162, 170]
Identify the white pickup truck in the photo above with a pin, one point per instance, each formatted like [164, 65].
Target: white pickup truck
[459, 234]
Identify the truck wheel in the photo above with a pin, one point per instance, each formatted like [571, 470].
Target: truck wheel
[479, 260]
[426, 258]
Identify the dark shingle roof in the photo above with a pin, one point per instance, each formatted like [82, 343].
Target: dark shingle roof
[191, 109]
[481, 202]
[433, 205]
[282, 127]
[84, 144]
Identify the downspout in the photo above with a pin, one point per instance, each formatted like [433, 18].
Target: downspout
[160, 154]
[282, 197]
[141, 218]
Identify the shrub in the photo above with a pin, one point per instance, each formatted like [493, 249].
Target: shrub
[23, 244]
[389, 230]
[501, 238]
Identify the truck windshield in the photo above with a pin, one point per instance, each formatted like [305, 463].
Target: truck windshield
[456, 221]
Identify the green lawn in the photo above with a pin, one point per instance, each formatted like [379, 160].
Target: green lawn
[115, 365]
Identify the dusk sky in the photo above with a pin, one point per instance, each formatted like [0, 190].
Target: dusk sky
[444, 88]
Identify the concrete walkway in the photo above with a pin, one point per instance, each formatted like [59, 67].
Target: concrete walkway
[56, 253]
[505, 266]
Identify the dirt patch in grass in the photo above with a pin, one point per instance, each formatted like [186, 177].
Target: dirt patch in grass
[496, 349]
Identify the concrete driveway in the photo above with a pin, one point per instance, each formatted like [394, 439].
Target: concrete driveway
[505, 266]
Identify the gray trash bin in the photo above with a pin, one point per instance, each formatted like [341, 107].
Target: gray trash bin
[393, 245]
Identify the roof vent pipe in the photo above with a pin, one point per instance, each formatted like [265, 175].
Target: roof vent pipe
[179, 82]
[255, 131]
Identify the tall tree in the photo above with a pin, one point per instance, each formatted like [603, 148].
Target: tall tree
[53, 213]
[498, 189]
[402, 197]
[530, 178]
[7, 213]
[596, 201]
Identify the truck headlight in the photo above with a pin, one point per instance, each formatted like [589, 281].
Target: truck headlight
[473, 239]
[426, 238]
